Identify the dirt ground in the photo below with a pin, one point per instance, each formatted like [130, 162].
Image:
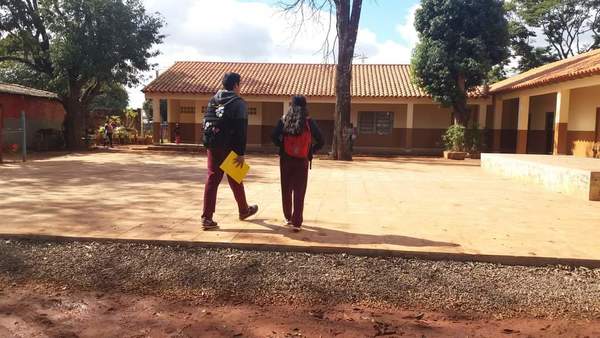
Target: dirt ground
[36, 311]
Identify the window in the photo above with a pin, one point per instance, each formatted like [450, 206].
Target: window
[251, 110]
[187, 110]
[371, 122]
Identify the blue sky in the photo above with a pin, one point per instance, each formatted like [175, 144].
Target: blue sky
[379, 16]
[257, 31]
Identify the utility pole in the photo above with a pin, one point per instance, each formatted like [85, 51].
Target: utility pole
[362, 57]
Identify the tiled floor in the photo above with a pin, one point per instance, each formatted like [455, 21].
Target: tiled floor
[404, 205]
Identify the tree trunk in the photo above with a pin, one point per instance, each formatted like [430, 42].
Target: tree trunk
[74, 125]
[460, 105]
[347, 18]
[342, 110]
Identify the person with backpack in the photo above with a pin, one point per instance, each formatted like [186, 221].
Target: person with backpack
[225, 130]
[294, 135]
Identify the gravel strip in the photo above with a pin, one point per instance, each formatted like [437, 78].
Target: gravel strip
[257, 277]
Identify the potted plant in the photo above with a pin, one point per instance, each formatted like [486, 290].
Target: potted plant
[454, 141]
[474, 141]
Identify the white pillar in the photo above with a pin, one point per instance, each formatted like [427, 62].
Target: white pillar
[286, 106]
[523, 125]
[410, 121]
[482, 115]
[561, 121]
[156, 110]
[156, 120]
[170, 111]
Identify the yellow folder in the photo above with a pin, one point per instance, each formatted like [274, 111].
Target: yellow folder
[232, 170]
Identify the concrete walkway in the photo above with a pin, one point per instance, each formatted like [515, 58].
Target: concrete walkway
[414, 206]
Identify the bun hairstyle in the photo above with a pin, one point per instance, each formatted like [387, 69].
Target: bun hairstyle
[294, 120]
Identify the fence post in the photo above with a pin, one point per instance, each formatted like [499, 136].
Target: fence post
[24, 130]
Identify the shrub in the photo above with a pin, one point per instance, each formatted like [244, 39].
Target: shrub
[454, 138]
[474, 140]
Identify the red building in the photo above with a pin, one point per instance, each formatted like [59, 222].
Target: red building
[43, 111]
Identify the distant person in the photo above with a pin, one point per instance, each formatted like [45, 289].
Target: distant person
[108, 135]
[294, 136]
[225, 130]
[177, 133]
[351, 137]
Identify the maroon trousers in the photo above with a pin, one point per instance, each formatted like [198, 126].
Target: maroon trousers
[294, 177]
[213, 179]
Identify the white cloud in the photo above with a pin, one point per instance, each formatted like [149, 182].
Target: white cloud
[230, 30]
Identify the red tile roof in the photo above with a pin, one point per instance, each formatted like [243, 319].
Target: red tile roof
[583, 65]
[284, 79]
[9, 88]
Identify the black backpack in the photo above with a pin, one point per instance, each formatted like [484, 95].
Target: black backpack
[216, 133]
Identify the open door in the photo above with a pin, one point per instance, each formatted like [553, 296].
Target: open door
[549, 132]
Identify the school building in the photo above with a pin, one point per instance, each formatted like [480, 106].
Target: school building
[552, 109]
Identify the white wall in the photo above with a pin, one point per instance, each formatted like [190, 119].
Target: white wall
[582, 112]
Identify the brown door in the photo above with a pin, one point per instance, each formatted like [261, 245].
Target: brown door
[549, 132]
[597, 124]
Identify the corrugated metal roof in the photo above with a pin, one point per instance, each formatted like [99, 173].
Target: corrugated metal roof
[9, 88]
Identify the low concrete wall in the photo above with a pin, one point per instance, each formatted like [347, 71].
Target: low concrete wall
[564, 174]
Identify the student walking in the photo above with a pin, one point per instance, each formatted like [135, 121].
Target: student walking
[294, 136]
[108, 135]
[225, 130]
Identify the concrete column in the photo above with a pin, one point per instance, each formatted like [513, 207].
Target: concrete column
[482, 115]
[410, 121]
[497, 127]
[156, 120]
[523, 125]
[198, 117]
[171, 119]
[561, 121]
[286, 107]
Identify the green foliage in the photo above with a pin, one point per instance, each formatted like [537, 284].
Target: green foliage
[15, 72]
[148, 110]
[460, 42]
[568, 27]
[81, 46]
[474, 138]
[454, 138]
[113, 97]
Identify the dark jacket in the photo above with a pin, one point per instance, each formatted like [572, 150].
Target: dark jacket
[235, 119]
[277, 138]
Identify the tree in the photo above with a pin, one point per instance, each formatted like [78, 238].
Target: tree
[460, 42]
[568, 27]
[347, 15]
[112, 97]
[148, 110]
[81, 46]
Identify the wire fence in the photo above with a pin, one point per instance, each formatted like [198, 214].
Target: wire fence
[13, 142]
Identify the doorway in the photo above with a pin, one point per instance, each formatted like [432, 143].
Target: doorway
[549, 128]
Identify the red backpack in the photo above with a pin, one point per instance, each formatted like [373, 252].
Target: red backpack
[298, 146]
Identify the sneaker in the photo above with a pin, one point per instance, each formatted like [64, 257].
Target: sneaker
[296, 228]
[287, 222]
[252, 210]
[209, 224]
